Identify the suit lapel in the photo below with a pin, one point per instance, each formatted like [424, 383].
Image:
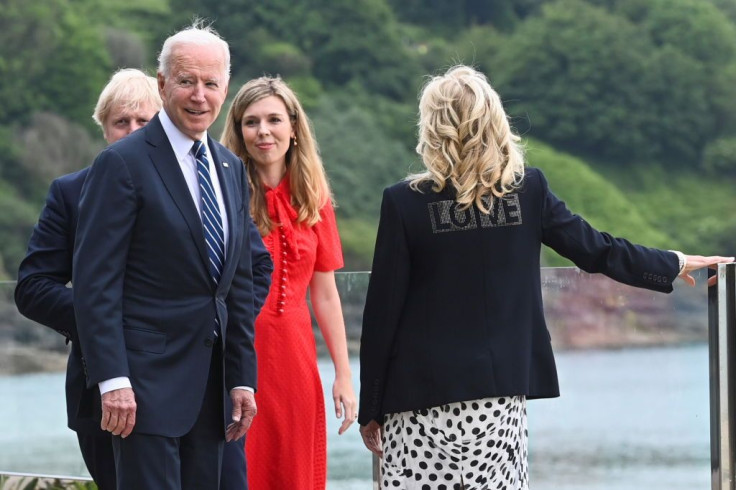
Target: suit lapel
[167, 166]
[229, 196]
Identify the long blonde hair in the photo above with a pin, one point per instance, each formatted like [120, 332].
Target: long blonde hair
[307, 180]
[465, 140]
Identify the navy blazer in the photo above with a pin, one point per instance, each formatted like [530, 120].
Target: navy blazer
[42, 296]
[144, 298]
[454, 304]
[41, 293]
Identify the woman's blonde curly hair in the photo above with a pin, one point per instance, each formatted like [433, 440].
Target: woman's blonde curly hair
[466, 141]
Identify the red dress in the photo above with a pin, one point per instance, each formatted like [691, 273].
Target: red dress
[286, 447]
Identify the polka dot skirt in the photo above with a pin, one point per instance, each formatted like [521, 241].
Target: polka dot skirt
[471, 445]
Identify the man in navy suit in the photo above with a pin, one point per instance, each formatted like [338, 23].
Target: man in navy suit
[166, 327]
[128, 102]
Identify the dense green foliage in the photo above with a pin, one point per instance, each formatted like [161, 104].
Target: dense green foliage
[631, 104]
[65, 68]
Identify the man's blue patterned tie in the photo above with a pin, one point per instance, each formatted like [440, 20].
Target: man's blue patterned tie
[211, 218]
[214, 235]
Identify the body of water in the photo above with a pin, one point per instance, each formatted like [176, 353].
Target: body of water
[627, 419]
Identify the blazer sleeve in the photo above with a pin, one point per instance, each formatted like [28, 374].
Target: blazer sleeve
[245, 297]
[107, 214]
[41, 293]
[387, 291]
[598, 252]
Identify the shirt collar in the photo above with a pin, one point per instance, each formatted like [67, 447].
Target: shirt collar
[180, 142]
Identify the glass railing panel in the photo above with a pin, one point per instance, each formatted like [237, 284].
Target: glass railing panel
[34, 437]
[633, 368]
[634, 405]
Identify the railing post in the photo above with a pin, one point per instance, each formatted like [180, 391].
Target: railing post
[376, 472]
[722, 353]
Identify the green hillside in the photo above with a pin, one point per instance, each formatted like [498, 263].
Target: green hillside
[629, 106]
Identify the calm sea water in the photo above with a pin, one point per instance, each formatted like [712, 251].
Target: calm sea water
[627, 420]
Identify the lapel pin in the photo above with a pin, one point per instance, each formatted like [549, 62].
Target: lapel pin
[225, 164]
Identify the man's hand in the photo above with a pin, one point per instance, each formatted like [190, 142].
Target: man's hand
[244, 409]
[118, 412]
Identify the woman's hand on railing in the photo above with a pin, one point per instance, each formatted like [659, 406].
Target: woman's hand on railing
[371, 434]
[695, 262]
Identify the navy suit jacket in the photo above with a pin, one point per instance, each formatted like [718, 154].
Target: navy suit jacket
[454, 304]
[144, 298]
[41, 293]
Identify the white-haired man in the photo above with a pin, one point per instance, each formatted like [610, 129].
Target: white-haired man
[166, 289]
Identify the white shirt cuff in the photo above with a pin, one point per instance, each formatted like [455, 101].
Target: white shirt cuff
[681, 259]
[246, 388]
[114, 384]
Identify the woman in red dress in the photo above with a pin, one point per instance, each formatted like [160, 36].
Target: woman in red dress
[291, 203]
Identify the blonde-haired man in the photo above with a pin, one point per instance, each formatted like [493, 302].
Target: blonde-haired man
[128, 102]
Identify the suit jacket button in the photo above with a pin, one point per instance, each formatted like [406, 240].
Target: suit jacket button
[208, 343]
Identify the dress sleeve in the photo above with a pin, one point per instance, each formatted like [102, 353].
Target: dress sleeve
[329, 248]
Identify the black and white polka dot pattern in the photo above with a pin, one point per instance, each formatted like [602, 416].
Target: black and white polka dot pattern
[471, 445]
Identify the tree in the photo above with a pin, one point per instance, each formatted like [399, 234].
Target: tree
[360, 157]
[727, 7]
[679, 119]
[64, 71]
[695, 28]
[719, 157]
[574, 72]
[594, 83]
[450, 16]
[16, 222]
[343, 41]
[447, 14]
[697, 57]
[358, 42]
[46, 153]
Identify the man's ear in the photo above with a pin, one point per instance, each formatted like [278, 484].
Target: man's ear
[161, 83]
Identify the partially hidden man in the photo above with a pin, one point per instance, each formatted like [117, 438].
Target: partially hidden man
[165, 292]
[128, 101]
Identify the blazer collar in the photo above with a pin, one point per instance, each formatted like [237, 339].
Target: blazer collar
[164, 160]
